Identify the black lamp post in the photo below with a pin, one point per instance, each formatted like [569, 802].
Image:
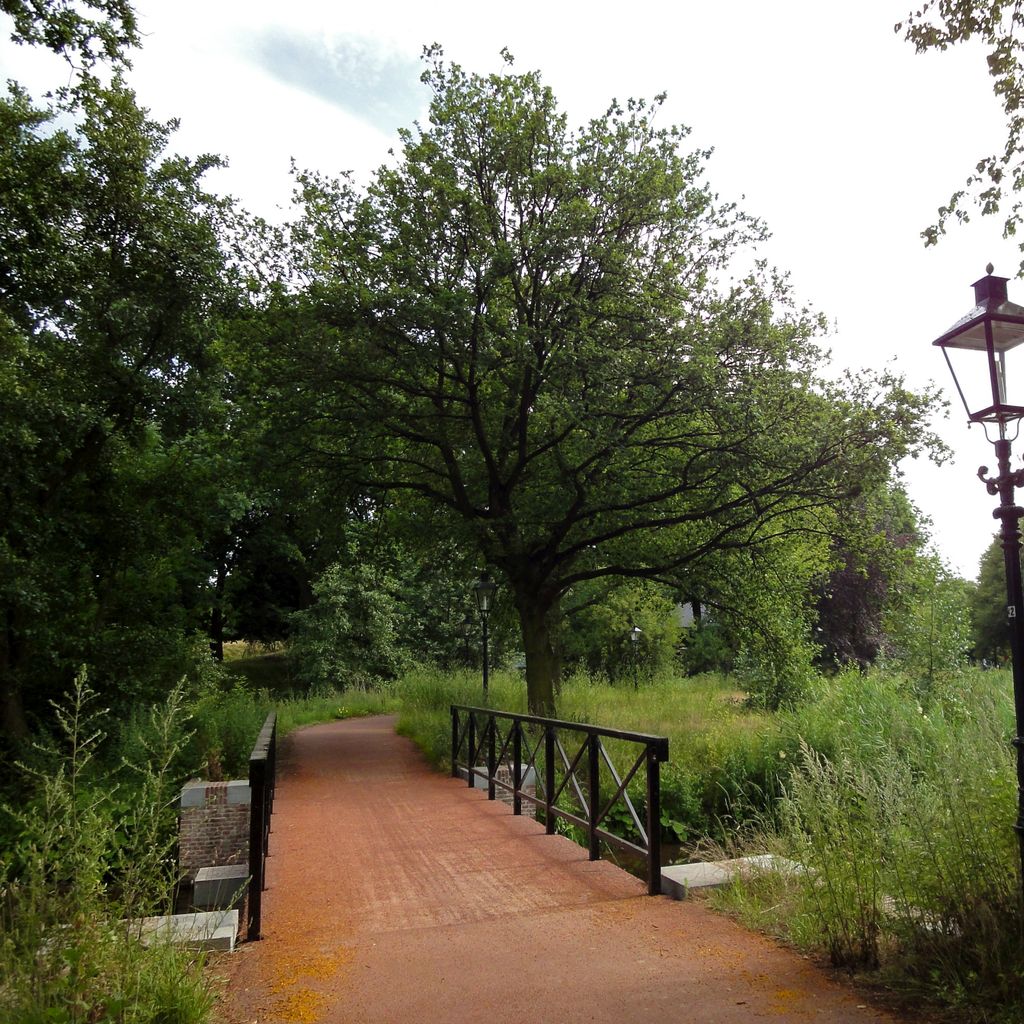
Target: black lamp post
[995, 330]
[634, 639]
[484, 589]
[465, 631]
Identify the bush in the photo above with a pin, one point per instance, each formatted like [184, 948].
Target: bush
[226, 725]
[80, 870]
[349, 637]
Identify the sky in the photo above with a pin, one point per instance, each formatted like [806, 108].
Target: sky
[823, 121]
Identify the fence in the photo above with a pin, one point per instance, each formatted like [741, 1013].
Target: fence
[533, 744]
[262, 777]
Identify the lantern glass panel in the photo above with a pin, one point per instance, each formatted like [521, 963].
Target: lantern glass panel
[992, 388]
[484, 591]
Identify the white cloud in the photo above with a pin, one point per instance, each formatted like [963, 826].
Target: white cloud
[359, 75]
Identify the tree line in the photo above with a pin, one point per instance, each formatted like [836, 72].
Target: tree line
[526, 348]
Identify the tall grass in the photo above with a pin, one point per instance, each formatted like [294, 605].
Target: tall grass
[899, 813]
[426, 696]
[719, 747]
[79, 871]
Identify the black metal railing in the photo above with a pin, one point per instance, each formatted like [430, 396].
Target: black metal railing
[583, 788]
[262, 778]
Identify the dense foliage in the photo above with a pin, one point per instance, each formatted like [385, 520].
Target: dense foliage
[112, 285]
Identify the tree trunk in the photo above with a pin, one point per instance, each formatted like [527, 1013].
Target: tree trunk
[554, 620]
[217, 614]
[13, 722]
[542, 665]
[12, 715]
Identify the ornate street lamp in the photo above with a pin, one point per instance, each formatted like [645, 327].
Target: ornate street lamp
[484, 590]
[995, 329]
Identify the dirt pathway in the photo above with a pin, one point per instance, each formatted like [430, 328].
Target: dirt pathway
[398, 896]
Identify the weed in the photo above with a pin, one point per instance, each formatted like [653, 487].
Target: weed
[78, 873]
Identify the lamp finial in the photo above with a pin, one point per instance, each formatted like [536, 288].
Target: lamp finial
[989, 268]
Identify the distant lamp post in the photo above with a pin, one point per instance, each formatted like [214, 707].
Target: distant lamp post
[994, 329]
[634, 640]
[466, 631]
[484, 590]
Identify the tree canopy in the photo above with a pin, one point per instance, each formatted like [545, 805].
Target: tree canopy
[86, 31]
[112, 280]
[988, 607]
[532, 331]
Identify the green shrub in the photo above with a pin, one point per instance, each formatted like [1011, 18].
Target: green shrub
[79, 871]
[350, 635]
[226, 724]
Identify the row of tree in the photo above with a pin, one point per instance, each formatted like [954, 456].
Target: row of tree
[538, 351]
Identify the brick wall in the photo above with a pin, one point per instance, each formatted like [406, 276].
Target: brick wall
[213, 828]
[503, 773]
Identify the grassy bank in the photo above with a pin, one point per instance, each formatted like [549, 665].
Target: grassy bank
[720, 748]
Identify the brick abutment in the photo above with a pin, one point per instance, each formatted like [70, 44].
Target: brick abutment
[213, 826]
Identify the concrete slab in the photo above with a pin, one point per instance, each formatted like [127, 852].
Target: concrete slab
[239, 792]
[219, 887]
[193, 794]
[677, 880]
[480, 777]
[212, 930]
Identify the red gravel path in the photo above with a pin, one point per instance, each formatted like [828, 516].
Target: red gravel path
[399, 896]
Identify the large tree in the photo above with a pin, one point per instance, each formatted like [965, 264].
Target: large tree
[533, 330]
[112, 281]
[877, 542]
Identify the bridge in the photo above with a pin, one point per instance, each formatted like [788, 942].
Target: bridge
[398, 894]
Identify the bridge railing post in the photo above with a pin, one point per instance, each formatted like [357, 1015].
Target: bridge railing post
[262, 783]
[653, 822]
[492, 766]
[517, 767]
[455, 742]
[549, 779]
[593, 794]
